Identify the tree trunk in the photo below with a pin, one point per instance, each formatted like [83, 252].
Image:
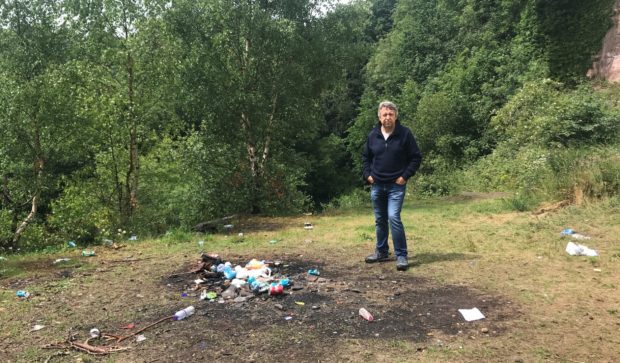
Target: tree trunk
[131, 182]
[38, 174]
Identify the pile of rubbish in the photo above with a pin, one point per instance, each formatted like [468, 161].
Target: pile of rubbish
[237, 283]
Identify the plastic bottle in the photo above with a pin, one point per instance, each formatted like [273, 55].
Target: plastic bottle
[182, 314]
[365, 314]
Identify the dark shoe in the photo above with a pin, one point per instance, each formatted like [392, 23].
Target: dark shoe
[377, 257]
[401, 263]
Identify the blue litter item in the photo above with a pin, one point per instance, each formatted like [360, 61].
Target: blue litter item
[71, 244]
[314, 272]
[567, 232]
[229, 273]
[285, 282]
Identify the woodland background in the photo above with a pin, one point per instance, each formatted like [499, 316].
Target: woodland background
[124, 117]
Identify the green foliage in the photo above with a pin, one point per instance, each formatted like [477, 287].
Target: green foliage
[542, 113]
[168, 196]
[524, 170]
[78, 214]
[571, 33]
[586, 173]
[443, 126]
[355, 199]
[6, 227]
[331, 174]
[443, 180]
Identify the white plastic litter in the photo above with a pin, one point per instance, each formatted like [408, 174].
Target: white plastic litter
[471, 314]
[140, 338]
[37, 327]
[575, 249]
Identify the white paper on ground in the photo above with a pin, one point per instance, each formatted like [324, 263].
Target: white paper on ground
[575, 249]
[471, 314]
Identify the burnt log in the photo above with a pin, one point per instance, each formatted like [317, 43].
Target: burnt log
[213, 226]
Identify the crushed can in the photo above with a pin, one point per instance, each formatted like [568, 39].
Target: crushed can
[276, 289]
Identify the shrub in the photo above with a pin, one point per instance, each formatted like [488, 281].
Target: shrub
[78, 214]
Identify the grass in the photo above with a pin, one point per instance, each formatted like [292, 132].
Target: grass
[559, 307]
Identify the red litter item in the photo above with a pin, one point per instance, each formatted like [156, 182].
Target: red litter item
[276, 289]
[129, 326]
[365, 314]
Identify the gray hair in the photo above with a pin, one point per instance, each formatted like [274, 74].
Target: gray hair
[388, 105]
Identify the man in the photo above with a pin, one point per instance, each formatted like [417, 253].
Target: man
[391, 156]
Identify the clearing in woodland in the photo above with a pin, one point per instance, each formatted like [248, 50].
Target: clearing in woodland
[539, 303]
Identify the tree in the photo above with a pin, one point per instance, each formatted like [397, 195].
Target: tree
[39, 128]
[129, 77]
[252, 68]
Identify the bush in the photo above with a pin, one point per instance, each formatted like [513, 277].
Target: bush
[357, 198]
[542, 114]
[78, 214]
[586, 173]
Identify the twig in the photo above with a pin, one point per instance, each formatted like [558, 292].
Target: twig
[146, 327]
[129, 260]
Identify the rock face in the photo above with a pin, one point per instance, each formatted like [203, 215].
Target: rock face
[607, 63]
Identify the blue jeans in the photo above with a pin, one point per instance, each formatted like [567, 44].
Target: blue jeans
[387, 201]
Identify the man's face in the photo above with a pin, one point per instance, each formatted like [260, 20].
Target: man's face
[387, 117]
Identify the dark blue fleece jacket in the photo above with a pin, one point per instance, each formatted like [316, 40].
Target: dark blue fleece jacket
[386, 160]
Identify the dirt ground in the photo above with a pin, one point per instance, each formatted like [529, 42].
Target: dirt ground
[316, 319]
[540, 305]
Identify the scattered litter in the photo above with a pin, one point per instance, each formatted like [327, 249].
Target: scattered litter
[575, 249]
[288, 318]
[61, 260]
[240, 234]
[133, 238]
[95, 333]
[471, 314]
[365, 314]
[228, 227]
[208, 295]
[183, 294]
[572, 234]
[22, 294]
[276, 289]
[201, 243]
[37, 328]
[273, 241]
[140, 338]
[71, 244]
[308, 225]
[182, 314]
[88, 253]
[129, 326]
[314, 272]
[300, 303]
[597, 270]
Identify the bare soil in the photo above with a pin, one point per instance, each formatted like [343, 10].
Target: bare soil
[309, 322]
